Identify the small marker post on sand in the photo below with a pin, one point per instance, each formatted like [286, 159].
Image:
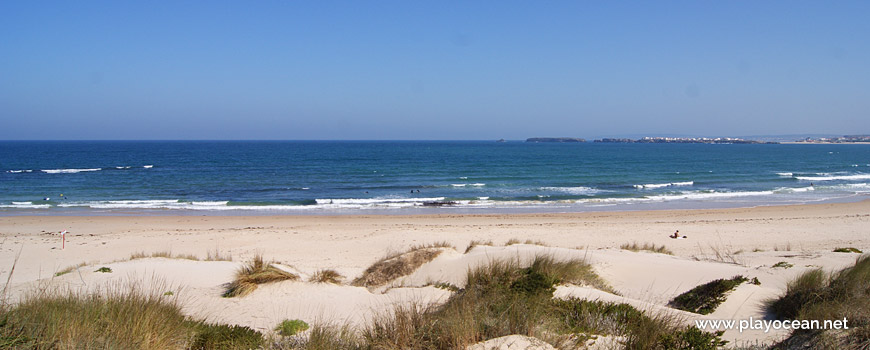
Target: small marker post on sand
[63, 239]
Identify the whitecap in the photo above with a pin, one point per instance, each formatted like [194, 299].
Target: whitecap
[69, 171]
[833, 177]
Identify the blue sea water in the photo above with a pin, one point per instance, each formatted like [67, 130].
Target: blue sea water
[366, 177]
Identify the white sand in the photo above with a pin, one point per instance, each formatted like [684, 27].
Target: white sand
[720, 244]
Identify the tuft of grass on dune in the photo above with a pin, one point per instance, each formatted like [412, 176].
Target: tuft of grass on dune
[397, 265]
[326, 276]
[818, 296]
[514, 241]
[476, 243]
[69, 269]
[635, 247]
[254, 273]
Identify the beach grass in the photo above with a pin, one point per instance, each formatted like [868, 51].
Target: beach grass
[507, 297]
[113, 318]
[254, 273]
[326, 276]
[635, 247]
[475, 243]
[819, 296]
[69, 269]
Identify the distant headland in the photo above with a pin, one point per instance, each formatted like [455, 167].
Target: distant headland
[554, 139]
[842, 139]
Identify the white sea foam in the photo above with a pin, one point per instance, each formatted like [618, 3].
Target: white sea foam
[147, 166]
[463, 177]
[831, 177]
[210, 203]
[670, 184]
[785, 174]
[68, 171]
[122, 167]
[579, 190]
[458, 185]
[795, 189]
[378, 201]
[19, 171]
[25, 205]
[477, 184]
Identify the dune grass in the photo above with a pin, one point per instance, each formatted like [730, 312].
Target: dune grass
[254, 273]
[635, 247]
[506, 297]
[514, 241]
[326, 276]
[115, 318]
[705, 298]
[476, 243]
[69, 269]
[816, 295]
[397, 265]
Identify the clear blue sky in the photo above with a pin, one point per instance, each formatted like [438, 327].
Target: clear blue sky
[431, 70]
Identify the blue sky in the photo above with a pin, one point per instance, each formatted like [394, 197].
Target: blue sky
[431, 70]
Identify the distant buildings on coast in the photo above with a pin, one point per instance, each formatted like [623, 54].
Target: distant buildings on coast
[717, 140]
[842, 139]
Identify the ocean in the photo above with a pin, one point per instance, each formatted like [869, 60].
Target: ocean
[416, 177]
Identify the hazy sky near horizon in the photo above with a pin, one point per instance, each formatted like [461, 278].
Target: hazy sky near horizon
[431, 70]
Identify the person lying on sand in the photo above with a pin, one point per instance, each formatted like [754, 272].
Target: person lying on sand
[676, 235]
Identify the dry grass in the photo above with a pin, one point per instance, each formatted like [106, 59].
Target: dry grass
[163, 254]
[254, 273]
[398, 265]
[476, 243]
[69, 269]
[114, 318]
[326, 276]
[514, 241]
[721, 253]
[217, 255]
[635, 247]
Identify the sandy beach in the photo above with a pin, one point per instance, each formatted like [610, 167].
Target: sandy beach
[720, 243]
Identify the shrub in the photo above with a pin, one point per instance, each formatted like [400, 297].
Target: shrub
[705, 298]
[103, 270]
[291, 327]
[221, 336]
[254, 273]
[783, 264]
[848, 250]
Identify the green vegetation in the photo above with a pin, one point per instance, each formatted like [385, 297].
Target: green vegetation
[129, 319]
[848, 250]
[783, 264]
[291, 327]
[326, 276]
[254, 273]
[647, 247]
[209, 336]
[506, 297]
[103, 270]
[815, 295]
[704, 299]
[398, 265]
